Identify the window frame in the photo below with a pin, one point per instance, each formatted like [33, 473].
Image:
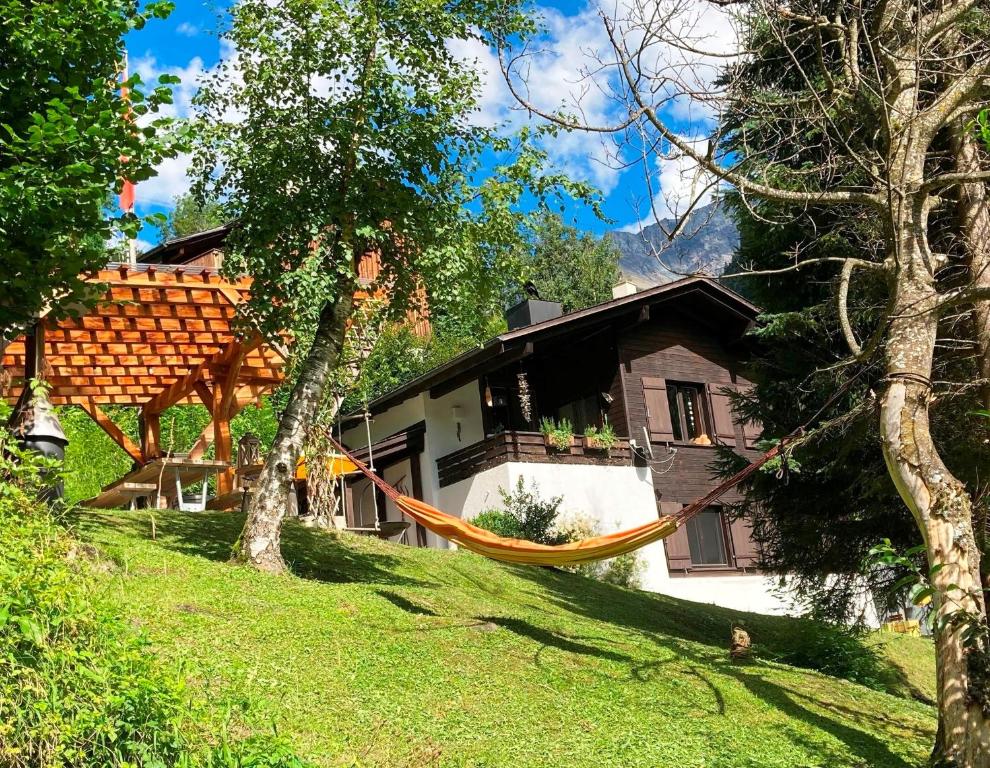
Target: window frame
[678, 416]
[727, 544]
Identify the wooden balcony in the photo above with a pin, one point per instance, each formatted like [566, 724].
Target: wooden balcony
[528, 447]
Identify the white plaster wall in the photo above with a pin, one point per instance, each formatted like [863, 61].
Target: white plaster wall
[442, 439]
[750, 592]
[441, 428]
[616, 498]
[384, 424]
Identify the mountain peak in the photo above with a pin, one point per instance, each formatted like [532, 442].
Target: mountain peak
[705, 245]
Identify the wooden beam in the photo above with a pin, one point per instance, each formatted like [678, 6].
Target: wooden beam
[151, 434]
[184, 386]
[205, 395]
[104, 422]
[222, 446]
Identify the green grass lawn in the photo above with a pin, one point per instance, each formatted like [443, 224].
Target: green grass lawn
[374, 654]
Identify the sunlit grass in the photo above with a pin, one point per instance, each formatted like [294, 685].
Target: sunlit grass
[374, 654]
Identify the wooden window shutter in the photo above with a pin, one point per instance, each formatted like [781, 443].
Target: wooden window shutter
[657, 410]
[676, 545]
[745, 553]
[752, 430]
[723, 426]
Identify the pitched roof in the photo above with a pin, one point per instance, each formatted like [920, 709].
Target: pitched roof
[513, 344]
[181, 249]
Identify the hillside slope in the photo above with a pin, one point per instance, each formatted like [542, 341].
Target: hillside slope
[374, 654]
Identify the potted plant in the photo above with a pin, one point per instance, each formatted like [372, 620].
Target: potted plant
[599, 438]
[559, 437]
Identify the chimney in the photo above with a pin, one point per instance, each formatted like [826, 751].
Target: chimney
[623, 288]
[530, 311]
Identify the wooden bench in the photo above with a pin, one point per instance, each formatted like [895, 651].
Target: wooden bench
[121, 495]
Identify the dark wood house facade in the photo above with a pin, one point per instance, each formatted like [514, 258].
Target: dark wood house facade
[658, 366]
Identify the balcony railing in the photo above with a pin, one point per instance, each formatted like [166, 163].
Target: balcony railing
[527, 447]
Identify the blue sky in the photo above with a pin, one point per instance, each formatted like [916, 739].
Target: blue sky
[187, 44]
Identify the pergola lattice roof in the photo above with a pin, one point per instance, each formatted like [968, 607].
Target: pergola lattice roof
[159, 336]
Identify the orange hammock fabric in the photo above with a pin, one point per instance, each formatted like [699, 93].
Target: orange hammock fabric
[525, 552]
[486, 543]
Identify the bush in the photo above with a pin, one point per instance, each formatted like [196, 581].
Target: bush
[832, 650]
[77, 686]
[624, 570]
[500, 523]
[526, 516]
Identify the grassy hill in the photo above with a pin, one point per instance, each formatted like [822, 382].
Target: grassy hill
[374, 654]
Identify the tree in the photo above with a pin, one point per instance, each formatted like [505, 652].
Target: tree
[880, 89]
[66, 140]
[342, 127]
[567, 265]
[189, 216]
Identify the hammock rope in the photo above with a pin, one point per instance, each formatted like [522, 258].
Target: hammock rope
[520, 551]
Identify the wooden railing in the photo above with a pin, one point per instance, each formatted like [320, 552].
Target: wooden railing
[524, 446]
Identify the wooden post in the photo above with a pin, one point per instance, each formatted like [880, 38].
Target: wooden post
[221, 438]
[151, 431]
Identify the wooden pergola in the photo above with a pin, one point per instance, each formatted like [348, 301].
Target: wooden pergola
[161, 336]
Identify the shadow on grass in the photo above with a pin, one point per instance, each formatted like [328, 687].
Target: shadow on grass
[546, 637]
[797, 642]
[405, 604]
[309, 553]
[873, 750]
[839, 721]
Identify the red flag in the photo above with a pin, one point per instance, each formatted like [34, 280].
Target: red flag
[127, 190]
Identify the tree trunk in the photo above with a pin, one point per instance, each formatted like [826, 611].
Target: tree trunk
[939, 502]
[974, 223]
[973, 214]
[260, 543]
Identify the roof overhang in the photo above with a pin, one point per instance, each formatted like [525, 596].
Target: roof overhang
[515, 345]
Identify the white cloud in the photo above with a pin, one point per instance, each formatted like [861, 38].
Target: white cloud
[172, 179]
[567, 69]
[187, 29]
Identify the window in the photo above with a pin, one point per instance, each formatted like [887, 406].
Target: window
[687, 413]
[581, 412]
[706, 538]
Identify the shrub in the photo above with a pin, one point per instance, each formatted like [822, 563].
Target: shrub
[832, 650]
[624, 570]
[77, 685]
[499, 522]
[526, 516]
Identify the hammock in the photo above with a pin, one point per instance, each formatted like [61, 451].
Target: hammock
[520, 551]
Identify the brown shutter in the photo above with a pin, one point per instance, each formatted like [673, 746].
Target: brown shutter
[752, 430]
[723, 426]
[657, 410]
[744, 550]
[676, 545]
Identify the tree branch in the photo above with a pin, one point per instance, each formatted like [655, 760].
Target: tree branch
[707, 161]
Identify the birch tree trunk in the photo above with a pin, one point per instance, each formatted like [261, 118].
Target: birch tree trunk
[939, 502]
[261, 537]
